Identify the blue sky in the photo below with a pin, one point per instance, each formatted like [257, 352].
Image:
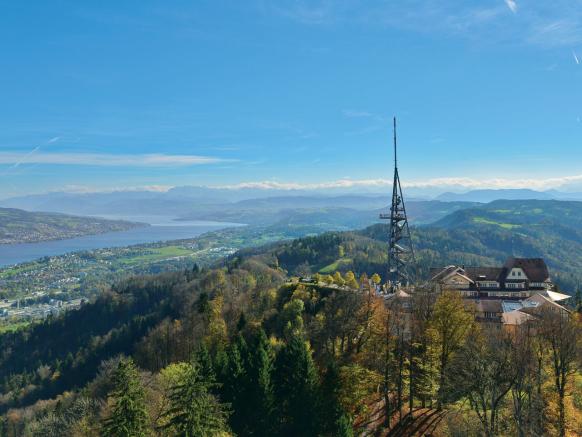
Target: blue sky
[112, 95]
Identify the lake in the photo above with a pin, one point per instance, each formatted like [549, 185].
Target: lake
[161, 229]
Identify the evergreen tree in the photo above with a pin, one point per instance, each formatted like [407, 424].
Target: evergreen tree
[235, 383]
[204, 360]
[296, 389]
[128, 416]
[334, 420]
[260, 399]
[193, 410]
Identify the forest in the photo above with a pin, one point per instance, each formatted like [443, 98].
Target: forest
[248, 348]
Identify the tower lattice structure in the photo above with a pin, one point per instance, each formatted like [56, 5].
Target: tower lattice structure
[401, 259]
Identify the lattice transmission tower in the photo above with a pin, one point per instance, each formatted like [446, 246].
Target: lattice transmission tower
[401, 260]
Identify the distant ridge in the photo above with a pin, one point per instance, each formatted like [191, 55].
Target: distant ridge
[18, 226]
[486, 196]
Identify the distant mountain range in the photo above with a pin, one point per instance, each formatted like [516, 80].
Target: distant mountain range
[486, 196]
[348, 211]
[301, 209]
[189, 200]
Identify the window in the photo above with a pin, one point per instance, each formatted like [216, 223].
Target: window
[488, 284]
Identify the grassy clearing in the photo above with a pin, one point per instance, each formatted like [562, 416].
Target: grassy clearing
[156, 254]
[335, 266]
[12, 326]
[12, 271]
[486, 221]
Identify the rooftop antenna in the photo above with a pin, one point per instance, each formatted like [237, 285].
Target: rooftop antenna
[401, 259]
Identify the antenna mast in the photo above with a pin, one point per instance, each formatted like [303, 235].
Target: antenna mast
[394, 132]
[401, 259]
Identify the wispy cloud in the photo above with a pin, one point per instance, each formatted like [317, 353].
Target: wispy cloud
[512, 5]
[106, 160]
[24, 158]
[575, 57]
[557, 23]
[556, 31]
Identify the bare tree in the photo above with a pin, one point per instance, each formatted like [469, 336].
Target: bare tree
[560, 331]
[527, 402]
[398, 329]
[483, 372]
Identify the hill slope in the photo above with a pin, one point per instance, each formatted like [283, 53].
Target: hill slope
[484, 235]
[18, 226]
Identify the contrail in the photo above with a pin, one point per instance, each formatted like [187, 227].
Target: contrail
[24, 158]
[21, 161]
[575, 58]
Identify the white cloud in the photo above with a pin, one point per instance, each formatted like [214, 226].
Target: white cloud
[453, 182]
[512, 5]
[342, 183]
[95, 189]
[106, 160]
[575, 57]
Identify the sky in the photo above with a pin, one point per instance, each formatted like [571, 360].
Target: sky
[116, 95]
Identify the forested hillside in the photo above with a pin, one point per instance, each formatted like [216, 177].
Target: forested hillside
[241, 349]
[18, 226]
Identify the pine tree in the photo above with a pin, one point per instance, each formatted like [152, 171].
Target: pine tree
[128, 416]
[235, 381]
[260, 396]
[204, 360]
[296, 389]
[193, 410]
[334, 420]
